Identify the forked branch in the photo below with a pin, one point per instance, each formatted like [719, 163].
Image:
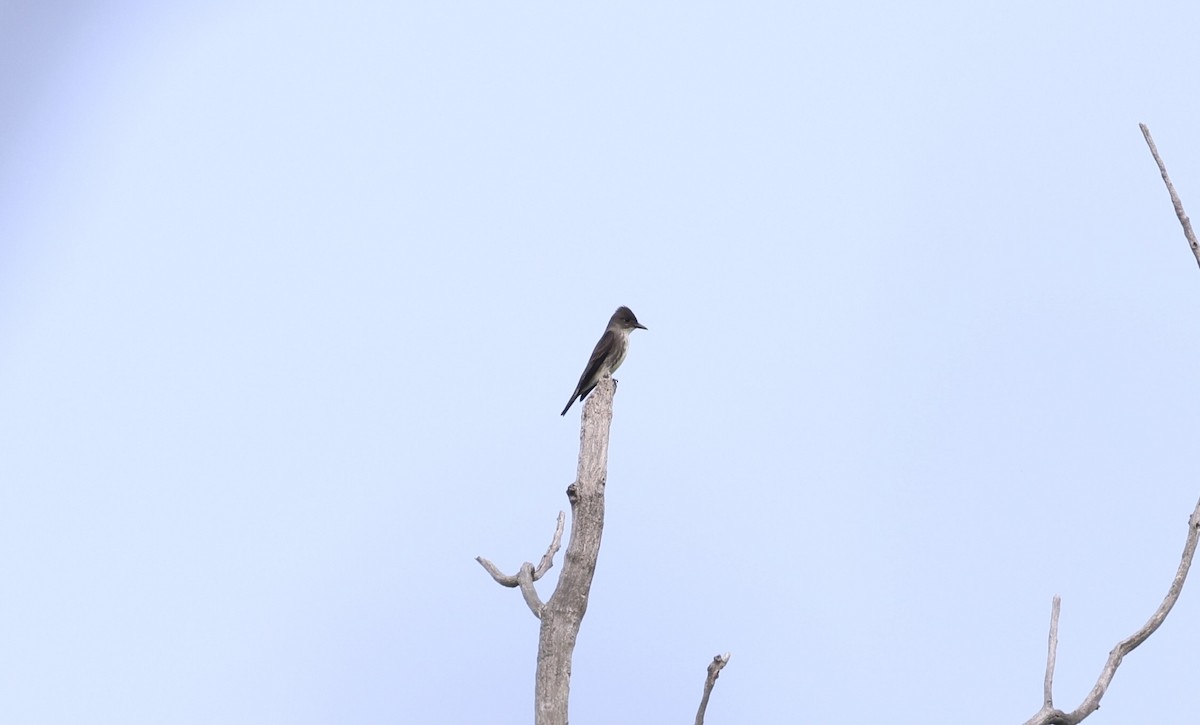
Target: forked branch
[1048, 715]
[528, 574]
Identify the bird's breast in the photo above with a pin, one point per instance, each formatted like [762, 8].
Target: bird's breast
[617, 357]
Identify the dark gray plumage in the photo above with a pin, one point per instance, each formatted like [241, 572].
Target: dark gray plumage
[609, 353]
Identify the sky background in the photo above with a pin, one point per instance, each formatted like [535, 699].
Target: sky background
[291, 296]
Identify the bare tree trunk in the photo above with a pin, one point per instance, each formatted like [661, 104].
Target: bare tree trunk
[563, 614]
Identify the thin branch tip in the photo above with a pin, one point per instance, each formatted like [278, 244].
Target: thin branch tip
[1051, 655]
[714, 671]
[1184, 221]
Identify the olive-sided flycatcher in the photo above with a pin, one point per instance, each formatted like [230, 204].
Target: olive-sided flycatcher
[608, 355]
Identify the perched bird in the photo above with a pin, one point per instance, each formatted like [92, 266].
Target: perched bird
[608, 355]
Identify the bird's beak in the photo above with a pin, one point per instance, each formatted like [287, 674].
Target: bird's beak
[640, 326]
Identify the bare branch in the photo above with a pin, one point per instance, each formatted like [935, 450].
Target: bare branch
[528, 575]
[1050, 716]
[714, 671]
[1183, 217]
[525, 579]
[563, 613]
[1051, 654]
[1127, 645]
[548, 558]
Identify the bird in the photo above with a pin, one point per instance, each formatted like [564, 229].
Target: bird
[609, 353]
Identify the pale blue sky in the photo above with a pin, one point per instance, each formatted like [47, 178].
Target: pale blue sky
[291, 297]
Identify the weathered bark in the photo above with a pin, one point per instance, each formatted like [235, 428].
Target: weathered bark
[563, 613]
[714, 671]
[1179, 212]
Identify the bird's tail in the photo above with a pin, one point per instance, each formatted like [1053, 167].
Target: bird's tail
[569, 404]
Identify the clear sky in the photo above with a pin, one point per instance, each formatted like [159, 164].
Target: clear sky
[291, 296]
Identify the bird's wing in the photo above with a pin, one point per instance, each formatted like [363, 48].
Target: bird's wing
[591, 373]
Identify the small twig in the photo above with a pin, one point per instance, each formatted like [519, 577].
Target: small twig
[1183, 217]
[1051, 654]
[528, 574]
[548, 558]
[714, 671]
